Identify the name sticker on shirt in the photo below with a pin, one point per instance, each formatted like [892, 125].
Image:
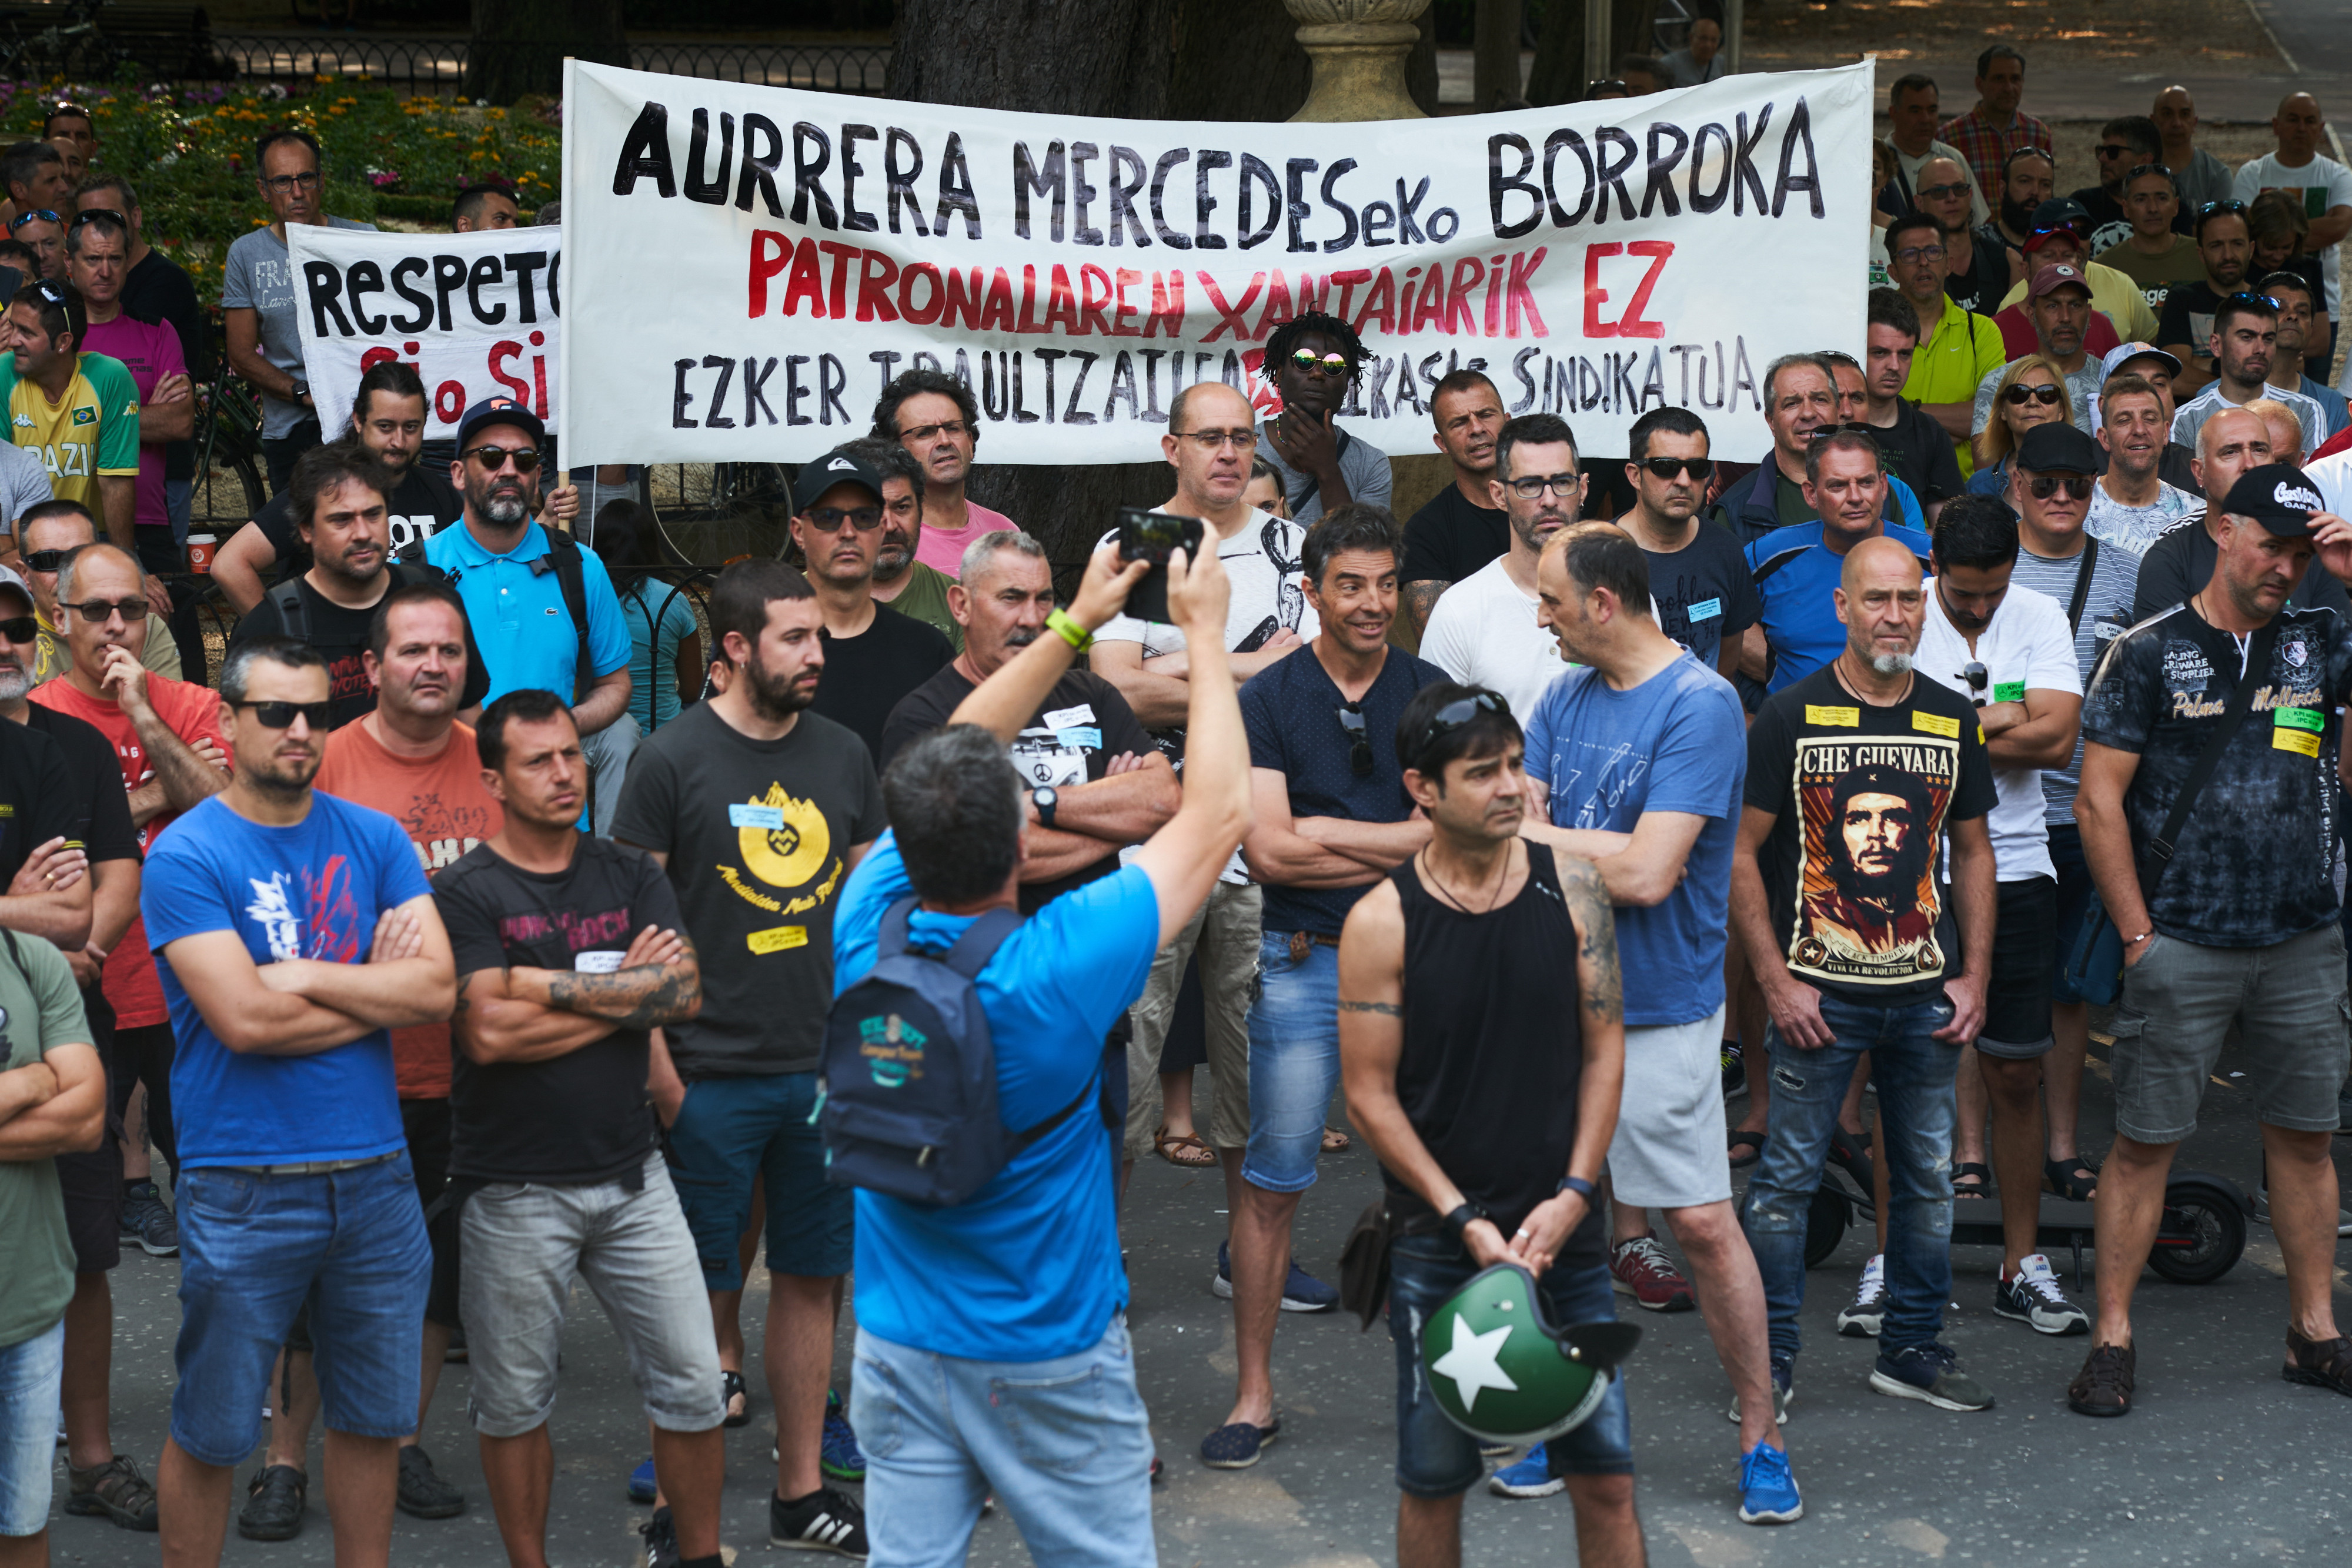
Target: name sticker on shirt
[2297, 729]
[1080, 737]
[1704, 610]
[777, 938]
[2108, 631]
[1842, 718]
[1063, 718]
[741, 815]
[598, 963]
[1936, 724]
[2009, 691]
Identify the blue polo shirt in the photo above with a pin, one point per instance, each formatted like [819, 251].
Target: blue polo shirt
[520, 621]
[1795, 574]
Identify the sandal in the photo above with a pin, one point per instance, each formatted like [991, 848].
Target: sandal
[732, 1387]
[2059, 1176]
[1979, 1179]
[1184, 1150]
[1738, 1141]
[1336, 1142]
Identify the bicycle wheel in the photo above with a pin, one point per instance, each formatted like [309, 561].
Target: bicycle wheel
[227, 494]
[713, 513]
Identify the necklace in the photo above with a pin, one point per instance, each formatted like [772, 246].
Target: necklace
[1837, 668]
[1502, 873]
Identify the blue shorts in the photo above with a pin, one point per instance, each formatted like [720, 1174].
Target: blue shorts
[32, 1372]
[254, 1250]
[1435, 1456]
[733, 1131]
[1294, 1062]
[2074, 903]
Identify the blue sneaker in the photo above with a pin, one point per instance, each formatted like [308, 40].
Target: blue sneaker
[641, 1482]
[1301, 1292]
[838, 1454]
[1531, 1477]
[1767, 1491]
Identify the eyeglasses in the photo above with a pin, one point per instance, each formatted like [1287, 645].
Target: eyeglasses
[280, 716]
[34, 215]
[91, 215]
[1977, 678]
[2024, 394]
[2138, 170]
[19, 629]
[2113, 149]
[1675, 468]
[1307, 362]
[1456, 714]
[494, 458]
[1359, 755]
[1919, 253]
[1943, 193]
[45, 559]
[864, 520]
[99, 609]
[932, 432]
[2042, 486]
[286, 184]
[1217, 440]
[1535, 484]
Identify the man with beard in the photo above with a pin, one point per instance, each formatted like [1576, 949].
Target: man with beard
[2186, 329]
[759, 809]
[873, 654]
[2062, 237]
[1312, 361]
[2131, 506]
[2245, 329]
[1976, 265]
[339, 507]
[1858, 776]
[1700, 587]
[1911, 117]
[294, 930]
[1458, 530]
[909, 586]
[935, 417]
[2063, 314]
[2028, 177]
[2295, 344]
[1487, 631]
[2233, 441]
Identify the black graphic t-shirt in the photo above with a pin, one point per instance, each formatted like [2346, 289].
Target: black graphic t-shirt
[1450, 540]
[2254, 865]
[1864, 797]
[1704, 591]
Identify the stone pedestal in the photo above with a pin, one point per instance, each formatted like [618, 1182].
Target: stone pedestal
[1358, 49]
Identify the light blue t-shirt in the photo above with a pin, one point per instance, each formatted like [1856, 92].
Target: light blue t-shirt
[1678, 742]
[653, 648]
[312, 891]
[1795, 575]
[1027, 1268]
[519, 619]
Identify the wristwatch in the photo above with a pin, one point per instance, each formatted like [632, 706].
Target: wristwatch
[1044, 797]
[1577, 1185]
[1461, 1219]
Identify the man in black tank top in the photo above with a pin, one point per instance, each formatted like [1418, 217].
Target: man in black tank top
[1485, 1073]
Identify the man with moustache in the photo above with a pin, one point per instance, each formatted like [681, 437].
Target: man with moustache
[1459, 530]
[1487, 631]
[1312, 361]
[2186, 329]
[935, 417]
[2028, 177]
[909, 586]
[2063, 315]
[2245, 330]
[2062, 237]
[1976, 267]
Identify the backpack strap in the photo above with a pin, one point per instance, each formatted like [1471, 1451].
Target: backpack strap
[293, 615]
[2082, 584]
[563, 558]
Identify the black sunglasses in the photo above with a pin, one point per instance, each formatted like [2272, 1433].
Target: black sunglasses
[1674, 467]
[45, 559]
[2021, 395]
[2221, 208]
[19, 629]
[494, 458]
[1850, 427]
[1456, 714]
[2247, 299]
[92, 214]
[1359, 755]
[2042, 486]
[1978, 677]
[280, 716]
[2136, 169]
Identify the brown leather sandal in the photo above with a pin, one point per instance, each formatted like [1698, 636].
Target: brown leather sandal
[2321, 1363]
[1185, 1151]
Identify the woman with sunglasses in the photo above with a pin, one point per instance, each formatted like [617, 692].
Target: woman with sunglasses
[2031, 393]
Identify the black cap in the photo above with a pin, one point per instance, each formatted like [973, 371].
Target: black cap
[2057, 449]
[2059, 211]
[500, 410]
[2276, 496]
[838, 466]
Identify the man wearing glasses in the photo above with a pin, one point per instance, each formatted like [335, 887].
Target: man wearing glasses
[2062, 237]
[1977, 263]
[1957, 348]
[51, 531]
[934, 416]
[1911, 120]
[2224, 251]
[2245, 333]
[1332, 819]
[1312, 361]
[79, 411]
[2155, 255]
[259, 295]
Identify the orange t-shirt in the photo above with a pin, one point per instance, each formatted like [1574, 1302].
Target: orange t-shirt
[441, 804]
[191, 712]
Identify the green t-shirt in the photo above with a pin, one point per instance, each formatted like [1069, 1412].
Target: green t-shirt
[43, 1013]
[90, 433]
[925, 598]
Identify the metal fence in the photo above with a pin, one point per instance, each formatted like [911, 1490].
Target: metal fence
[438, 64]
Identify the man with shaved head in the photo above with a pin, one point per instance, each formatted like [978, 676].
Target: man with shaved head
[2181, 562]
[2323, 185]
[2200, 177]
[1859, 777]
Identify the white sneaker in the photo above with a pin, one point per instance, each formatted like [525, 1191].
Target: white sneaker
[1861, 1320]
[2031, 1296]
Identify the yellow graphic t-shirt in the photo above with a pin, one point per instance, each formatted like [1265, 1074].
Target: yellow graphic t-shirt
[92, 431]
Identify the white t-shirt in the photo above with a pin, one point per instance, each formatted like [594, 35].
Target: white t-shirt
[1484, 633]
[2026, 647]
[2323, 183]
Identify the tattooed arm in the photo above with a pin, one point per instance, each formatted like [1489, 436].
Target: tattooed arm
[527, 1014]
[1600, 994]
[1420, 599]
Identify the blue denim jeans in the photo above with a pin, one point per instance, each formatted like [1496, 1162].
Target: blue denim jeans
[1064, 1444]
[32, 1372]
[1294, 1062]
[1914, 1073]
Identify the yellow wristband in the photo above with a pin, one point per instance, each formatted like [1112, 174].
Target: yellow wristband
[1076, 636]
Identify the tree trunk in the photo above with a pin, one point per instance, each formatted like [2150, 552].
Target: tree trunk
[1236, 60]
[1495, 79]
[1561, 72]
[517, 45]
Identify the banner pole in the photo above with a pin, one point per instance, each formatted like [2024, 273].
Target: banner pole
[568, 416]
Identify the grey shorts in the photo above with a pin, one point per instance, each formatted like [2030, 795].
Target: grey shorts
[2289, 1003]
[523, 1242]
[1669, 1150]
[1223, 933]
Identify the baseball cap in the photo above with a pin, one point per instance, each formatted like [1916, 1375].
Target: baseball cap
[500, 410]
[2048, 279]
[2057, 449]
[2276, 496]
[10, 579]
[838, 466]
[2122, 354]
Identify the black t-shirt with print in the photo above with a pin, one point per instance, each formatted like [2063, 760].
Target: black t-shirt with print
[1704, 591]
[866, 676]
[101, 811]
[2255, 864]
[341, 636]
[1449, 539]
[581, 1117]
[1864, 797]
[1980, 289]
[1081, 726]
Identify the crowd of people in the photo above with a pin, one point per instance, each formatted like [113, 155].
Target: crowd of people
[481, 926]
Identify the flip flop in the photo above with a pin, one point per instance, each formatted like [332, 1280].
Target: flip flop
[2060, 1177]
[1738, 1141]
[1185, 1151]
[1336, 1142]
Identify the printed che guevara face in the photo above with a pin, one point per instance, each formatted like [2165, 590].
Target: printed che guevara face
[1877, 830]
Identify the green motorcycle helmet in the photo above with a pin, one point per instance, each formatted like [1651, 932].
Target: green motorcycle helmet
[1500, 1370]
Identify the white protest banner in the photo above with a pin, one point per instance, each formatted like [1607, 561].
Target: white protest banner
[477, 314]
[1597, 260]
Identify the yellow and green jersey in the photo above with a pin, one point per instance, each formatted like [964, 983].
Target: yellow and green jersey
[92, 431]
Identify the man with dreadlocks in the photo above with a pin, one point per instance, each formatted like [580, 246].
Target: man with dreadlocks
[1312, 361]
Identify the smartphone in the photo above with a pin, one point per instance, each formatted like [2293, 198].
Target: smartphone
[1149, 536]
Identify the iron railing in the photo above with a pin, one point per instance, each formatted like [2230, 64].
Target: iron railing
[438, 65]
